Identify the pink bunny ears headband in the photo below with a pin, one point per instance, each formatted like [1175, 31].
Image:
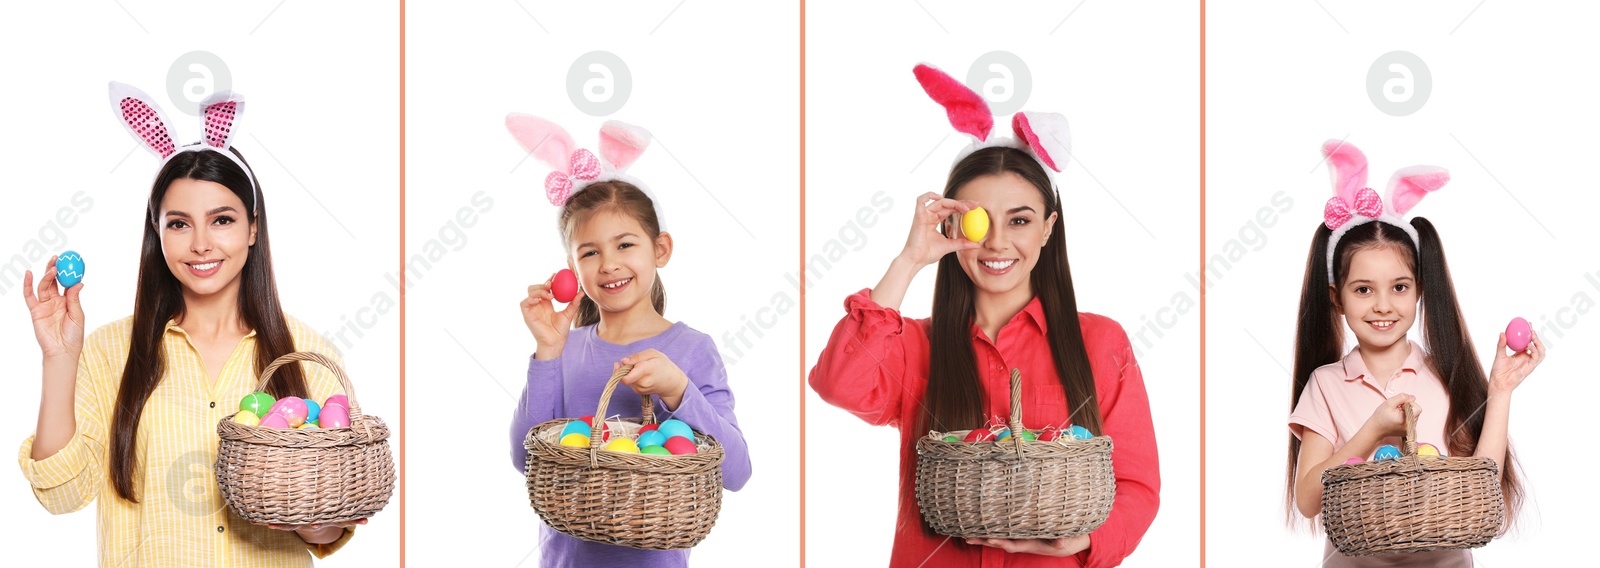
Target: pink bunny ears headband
[1354, 204]
[144, 120]
[1042, 134]
[621, 144]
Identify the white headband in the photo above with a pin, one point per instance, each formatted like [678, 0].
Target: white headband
[1354, 204]
[143, 119]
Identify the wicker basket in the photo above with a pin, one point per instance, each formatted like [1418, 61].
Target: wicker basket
[1413, 504]
[296, 477]
[635, 500]
[1014, 489]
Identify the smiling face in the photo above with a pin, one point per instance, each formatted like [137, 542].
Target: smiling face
[1378, 297]
[1018, 230]
[205, 236]
[616, 260]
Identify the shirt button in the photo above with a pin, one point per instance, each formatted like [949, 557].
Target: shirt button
[219, 528]
[213, 404]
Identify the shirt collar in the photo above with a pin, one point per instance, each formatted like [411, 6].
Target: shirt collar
[172, 325]
[1355, 367]
[1033, 312]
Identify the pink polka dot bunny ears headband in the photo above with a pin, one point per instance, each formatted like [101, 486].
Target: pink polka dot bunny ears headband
[1354, 204]
[575, 168]
[144, 120]
[1043, 135]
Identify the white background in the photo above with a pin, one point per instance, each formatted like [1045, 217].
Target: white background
[717, 84]
[1126, 77]
[1511, 116]
[319, 129]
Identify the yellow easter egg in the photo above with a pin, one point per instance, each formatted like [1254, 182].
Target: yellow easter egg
[1427, 450]
[577, 440]
[247, 418]
[975, 224]
[623, 445]
[307, 426]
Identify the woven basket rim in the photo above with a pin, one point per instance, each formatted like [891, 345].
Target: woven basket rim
[540, 440]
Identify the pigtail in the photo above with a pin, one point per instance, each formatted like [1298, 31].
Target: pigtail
[1453, 358]
[1318, 341]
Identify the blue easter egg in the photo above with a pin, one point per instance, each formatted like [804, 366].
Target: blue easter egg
[575, 427]
[1079, 433]
[1005, 433]
[676, 427]
[312, 410]
[1386, 452]
[652, 438]
[69, 268]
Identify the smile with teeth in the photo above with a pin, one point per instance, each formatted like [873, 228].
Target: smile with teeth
[1382, 325]
[617, 284]
[998, 264]
[206, 266]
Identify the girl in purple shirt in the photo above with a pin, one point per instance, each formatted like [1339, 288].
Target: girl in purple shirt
[614, 244]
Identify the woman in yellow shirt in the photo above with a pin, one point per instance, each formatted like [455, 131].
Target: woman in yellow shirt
[128, 418]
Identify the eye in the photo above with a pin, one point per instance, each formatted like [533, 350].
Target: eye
[1363, 290]
[1401, 287]
[1021, 221]
[176, 224]
[625, 245]
[586, 254]
[222, 220]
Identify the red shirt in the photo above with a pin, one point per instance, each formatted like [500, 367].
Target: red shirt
[876, 366]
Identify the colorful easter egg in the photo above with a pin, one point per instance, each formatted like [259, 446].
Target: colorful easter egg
[334, 416]
[575, 440]
[605, 429]
[1428, 450]
[338, 399]
[652, 438]
[1028, 436]
[975, 224]
[275, 421]
[951, 439]
[649, 428]
[257, 403]
[69, 269]
[292, 408]
[979, 435]
[313, 410]
[1386, 452]
[1356, 459]
[247, 418]
[1078, 433]
[676, 428]
[1517, 335]
[1005, 434]
[655, 451]
[575, 427]
[564, 286]
[680, 445]
[308, 426]
[623, 445]
[1049, 434]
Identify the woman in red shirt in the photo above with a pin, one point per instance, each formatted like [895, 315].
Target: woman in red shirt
[1001, 303]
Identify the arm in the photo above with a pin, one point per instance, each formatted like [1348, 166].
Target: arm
[541, 395]
[1125, 417]
[863, 367]
[64, 460]
[1317, 453]
[706, 403]
[924, 246]
[1505, 375]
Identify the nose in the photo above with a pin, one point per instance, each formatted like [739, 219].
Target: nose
[201, 242]
[1384, 302]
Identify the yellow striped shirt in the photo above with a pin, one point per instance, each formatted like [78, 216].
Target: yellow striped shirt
[181, 519]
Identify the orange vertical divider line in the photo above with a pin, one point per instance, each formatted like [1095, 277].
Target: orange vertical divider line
[1202, 283]
[802, 283]
[402, 273]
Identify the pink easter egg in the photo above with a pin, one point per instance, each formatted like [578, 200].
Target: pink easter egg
[275, 421]
[1517, 334]
[1356, 459]
[564, 286]
[338, 399]
[293, 410]
[680, 445]
[334, 415]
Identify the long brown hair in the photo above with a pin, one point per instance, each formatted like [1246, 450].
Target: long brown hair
[621, 197]
[159, 299]
[1319, 340]
[954, 400]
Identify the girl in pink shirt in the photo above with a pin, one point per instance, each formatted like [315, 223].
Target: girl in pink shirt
[1375, 269]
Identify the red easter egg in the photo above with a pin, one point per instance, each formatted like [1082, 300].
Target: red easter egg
[1049, 435]
[649, 427]
[565, 286]
[979, 435]
[680, 445]
[605, 429]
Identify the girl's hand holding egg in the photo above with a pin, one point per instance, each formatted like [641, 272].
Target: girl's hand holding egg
[58, 322]
[1508, 371]
[653, 373]
[550, 327]
[926, 243]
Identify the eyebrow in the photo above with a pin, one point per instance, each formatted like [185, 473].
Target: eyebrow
[1020, 209]
[208, 213]
[1365, 281]
[619, 237]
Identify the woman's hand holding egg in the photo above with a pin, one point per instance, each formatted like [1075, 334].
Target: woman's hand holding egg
[57, 317]
[549, 326]
[653, 373]
[1508, 371]
[926, 245]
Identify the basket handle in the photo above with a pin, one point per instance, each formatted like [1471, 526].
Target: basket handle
[1409, 442]
[647, 411]
[318, 358]
[1016, 409]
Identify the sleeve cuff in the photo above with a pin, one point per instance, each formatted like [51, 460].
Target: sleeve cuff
[873, 317]
[323, 550]
[65, 465]
[1298, 426]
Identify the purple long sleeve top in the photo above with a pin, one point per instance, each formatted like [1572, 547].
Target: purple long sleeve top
[570, 385]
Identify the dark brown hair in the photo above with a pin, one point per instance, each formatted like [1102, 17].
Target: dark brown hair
[954, 400]
[1319, 340]
[159, 299]
[620, 197]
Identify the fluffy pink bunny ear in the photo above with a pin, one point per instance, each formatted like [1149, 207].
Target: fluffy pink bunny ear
[1410, 185]
[1046, 133]
[544, 139]
[143, 118]
[969, 113]
[622, 143]
[1349, 168]
[220, 110]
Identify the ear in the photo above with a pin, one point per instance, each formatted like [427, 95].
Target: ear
[622, 143]
[1049, 226]
[143, 118]
[1410, 185]
[1333, 295]
[1046, 134]
[220, 110]
[663, 249]
[543, 139]
[252, 233]
[968, 112]
[1349, 169]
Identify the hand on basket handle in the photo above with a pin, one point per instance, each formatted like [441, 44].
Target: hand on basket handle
[549, 327]
[654, 374]
[1390, 418]
[1039, 546]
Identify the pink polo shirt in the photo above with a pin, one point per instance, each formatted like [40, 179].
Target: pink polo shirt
[1341, 396]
